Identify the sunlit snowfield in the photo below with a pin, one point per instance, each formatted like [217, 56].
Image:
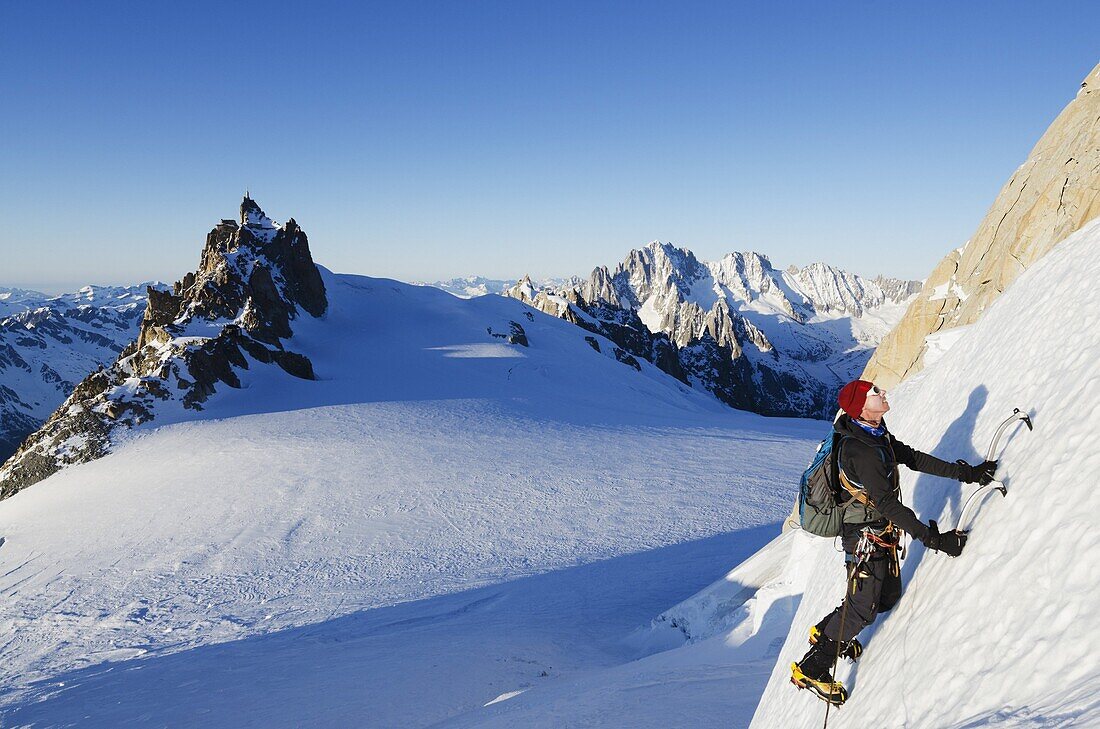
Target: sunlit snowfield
[443, 519]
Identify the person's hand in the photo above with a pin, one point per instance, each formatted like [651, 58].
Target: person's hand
[982, 473]
[950, 543]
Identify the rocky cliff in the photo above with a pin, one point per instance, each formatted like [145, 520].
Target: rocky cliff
[234, 312]
[1054, 192]
[760, 339]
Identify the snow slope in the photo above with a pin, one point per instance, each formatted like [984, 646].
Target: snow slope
[1002, 637]
[442, 518]
[1005, 635]
[702, 663]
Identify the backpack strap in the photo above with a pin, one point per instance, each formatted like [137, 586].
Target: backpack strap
[853, 488]
[856, 491]
[859, 494]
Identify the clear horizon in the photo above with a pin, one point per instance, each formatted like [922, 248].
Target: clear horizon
[426, 142]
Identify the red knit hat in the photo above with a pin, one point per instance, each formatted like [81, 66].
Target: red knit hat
[853, 396]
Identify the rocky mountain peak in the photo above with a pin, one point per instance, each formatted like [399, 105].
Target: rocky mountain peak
[659, 266]
[832, 290]
[600, 286]
[235, 311]
[523, 290]
[737, 327]
[253, 216]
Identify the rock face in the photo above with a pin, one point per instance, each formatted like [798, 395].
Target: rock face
[1055, 192]
[773, 342]
[49, 344]
[233, 313]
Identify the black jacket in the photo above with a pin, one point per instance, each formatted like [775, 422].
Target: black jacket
[873, 463]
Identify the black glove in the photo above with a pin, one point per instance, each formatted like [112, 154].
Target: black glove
[982, 473]
[951, 543]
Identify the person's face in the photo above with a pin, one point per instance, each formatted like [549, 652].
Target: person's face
[876, 405]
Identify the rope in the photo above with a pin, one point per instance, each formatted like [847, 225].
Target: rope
[843, 616]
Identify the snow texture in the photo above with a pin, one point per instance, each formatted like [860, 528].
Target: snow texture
[441, 519]
[1001, 637]
[1005, 634]
[423, 539]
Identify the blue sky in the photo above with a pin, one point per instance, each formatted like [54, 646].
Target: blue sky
[423, 140]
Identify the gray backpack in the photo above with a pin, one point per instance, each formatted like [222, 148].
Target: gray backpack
[824, 492]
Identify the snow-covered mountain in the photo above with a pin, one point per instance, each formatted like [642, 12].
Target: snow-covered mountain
[469, 286]
[232, 314]
[467, 500]
[476, 515]
[50, 343]
[761, 339]
[15, 300]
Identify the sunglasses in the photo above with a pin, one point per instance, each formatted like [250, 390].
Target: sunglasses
[876, 391]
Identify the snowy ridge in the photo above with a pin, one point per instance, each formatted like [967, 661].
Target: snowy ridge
[16, 300]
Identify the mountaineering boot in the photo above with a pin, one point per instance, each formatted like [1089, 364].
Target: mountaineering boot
[851, 650]
[812, 672]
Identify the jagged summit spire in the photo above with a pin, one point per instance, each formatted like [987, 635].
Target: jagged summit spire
[250, 210]
[251, 283]
[255, 219]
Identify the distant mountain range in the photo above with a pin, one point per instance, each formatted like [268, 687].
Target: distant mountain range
[469, 286]
[777, 342]
[50, 343]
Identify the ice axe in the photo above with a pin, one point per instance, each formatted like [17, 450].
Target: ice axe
[974, 498]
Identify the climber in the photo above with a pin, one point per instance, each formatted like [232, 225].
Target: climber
[873, 522]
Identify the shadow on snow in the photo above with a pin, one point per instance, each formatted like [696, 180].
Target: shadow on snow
[410, 664]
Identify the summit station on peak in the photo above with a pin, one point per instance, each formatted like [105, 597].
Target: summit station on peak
[233, 313]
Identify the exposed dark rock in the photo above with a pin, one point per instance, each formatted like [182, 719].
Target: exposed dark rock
[295, 364]
[627, 359]
[83, 435]
[163, 307]
[592, 341]
[267, 317]
[516, 334]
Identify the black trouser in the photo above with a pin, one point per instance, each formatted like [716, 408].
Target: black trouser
[873, 587]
